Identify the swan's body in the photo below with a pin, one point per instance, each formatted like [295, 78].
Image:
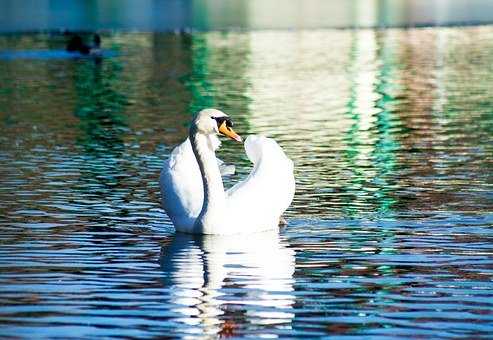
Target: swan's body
[192, 189]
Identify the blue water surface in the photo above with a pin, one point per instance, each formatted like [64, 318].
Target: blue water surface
[390, 232]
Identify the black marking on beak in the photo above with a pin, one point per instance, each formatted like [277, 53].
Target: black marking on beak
[221, 120]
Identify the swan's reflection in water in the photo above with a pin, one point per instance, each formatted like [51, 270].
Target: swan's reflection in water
[219, 282]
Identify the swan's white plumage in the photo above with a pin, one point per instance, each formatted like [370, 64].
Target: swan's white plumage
[181, 186]
[267, 192]
[182, 193]
[252, 205]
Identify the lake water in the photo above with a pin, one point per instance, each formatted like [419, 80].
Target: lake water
[390, 232]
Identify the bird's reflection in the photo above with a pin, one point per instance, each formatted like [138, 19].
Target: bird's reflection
[217, 282]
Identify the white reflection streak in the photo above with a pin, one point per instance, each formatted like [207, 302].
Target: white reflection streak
[365, 71]
[440, 75]
[258, 267]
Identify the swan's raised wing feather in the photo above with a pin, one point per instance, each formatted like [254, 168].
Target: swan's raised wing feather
[269, 188]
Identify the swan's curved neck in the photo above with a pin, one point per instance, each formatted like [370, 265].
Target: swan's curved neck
[214, 196]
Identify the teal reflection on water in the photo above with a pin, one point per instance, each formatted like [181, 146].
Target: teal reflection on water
[197, 82]
[386, 146]
[100, 105]
[371, 146]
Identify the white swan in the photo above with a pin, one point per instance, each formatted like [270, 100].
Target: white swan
[192, 191]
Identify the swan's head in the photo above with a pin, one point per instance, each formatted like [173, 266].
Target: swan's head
[212, 121]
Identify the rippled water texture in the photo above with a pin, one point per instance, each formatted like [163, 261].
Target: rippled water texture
[390, 233]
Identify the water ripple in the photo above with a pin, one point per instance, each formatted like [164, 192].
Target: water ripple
[389, 233]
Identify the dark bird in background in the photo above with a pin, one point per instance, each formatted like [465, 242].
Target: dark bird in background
[76, 44]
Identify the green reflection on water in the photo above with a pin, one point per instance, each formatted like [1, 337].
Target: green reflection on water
[197, 82]
[371, 175]
[100, 105]
[353, 139]
[386, 146]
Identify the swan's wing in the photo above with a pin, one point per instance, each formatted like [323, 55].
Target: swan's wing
[182, 191]
[269, 188]
[181, 185]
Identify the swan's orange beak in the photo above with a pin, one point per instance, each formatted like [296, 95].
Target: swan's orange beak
[229, 132]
